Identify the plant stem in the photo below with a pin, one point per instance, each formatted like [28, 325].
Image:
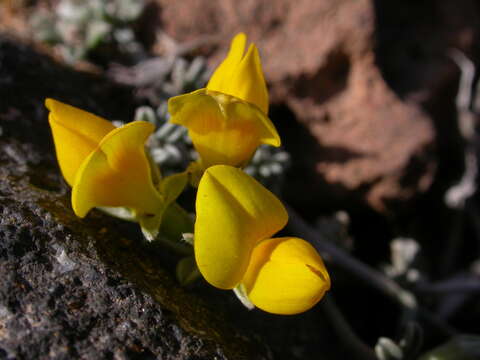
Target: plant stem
[371, 276]
[344, 260]
[351, 341]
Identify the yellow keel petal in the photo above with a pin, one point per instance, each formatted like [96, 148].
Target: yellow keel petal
[285, 276]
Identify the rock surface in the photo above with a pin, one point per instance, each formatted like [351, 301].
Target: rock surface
[83, 289]
[331, 63]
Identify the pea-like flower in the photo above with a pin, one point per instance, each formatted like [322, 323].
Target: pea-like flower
[106, 166]
[236, 217]
[285, 276]
[228, 119]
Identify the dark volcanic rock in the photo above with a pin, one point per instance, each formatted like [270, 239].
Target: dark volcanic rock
[82, 289]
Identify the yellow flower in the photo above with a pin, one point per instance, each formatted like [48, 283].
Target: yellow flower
[285, 276]
[235, 216]
[228, 119]
[106, 166]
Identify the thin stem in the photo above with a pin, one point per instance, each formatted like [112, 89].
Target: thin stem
[352, 342]
[469, 286]
[344, 260]
[371, 276]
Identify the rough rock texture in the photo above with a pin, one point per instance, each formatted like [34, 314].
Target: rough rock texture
[70, 289]
[83, 289]
[370, 140]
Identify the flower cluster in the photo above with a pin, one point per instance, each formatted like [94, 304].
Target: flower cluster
[236, 216]
[108, 167]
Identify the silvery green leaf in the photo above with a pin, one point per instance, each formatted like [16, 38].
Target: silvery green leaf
[175, 135]
[404, 251]
[73, 11]
[97, 31]
[127, 10]
[187, 271]
[162, 111]
[165, 130]
[118, 212]
[387, 349]
[150, 225]
[145, 113]
[178, 73]
[241, 293]
[188, 238]
[124, 35]
[196, 69]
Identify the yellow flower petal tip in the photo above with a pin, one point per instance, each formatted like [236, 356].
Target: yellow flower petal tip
[220, 80]
[234, 213]
[285, 276]
[76, 133]
[241, 75]
[224, 129]
[118, 173]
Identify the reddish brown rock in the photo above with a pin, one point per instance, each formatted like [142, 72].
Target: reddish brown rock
[319, 61]
[368, 137]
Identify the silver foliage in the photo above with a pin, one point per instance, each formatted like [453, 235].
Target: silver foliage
[77, 27]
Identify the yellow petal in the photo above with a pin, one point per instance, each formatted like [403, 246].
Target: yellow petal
[241, 76]
[196, 110]
[221, 77]
[223, 129]
[76, 133]
[234, 212]
[248, 82]
[285, 276]
[118, 173]
[266, 131]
